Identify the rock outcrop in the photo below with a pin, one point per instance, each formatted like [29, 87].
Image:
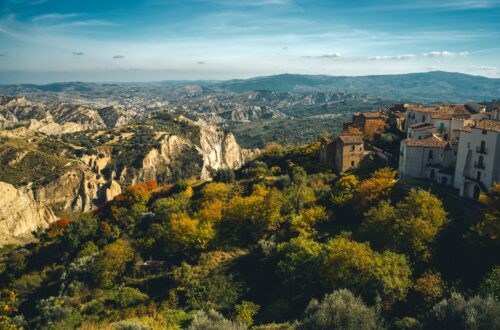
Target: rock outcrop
[20, 214]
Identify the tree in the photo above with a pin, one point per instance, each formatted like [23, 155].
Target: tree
[490, 285]
[429, 286]
[356, 266]
[371, 190]
[410, 227]
[245, 312]
[186, 233]
[300, 262]
[343, 190]
[304, 223]
[490, 224]
[339, 310]
[207, 285]
[77, 232]
[215, 190]
[458, 312]
[112, 262]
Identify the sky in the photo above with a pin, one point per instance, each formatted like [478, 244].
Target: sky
[45, 41]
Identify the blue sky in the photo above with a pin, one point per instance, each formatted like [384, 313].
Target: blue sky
[108, 40]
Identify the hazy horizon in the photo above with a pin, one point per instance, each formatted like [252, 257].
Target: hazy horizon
[44, 41]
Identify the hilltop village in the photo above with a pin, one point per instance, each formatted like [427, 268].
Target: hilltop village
[455, 145]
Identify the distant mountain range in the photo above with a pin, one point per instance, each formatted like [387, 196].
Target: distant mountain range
[426, 87]
[435, 86]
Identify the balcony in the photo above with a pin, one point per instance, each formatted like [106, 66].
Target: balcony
[479, 165]
[480, 150]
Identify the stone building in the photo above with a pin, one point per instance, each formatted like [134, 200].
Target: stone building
[369, 122]
[349, 152]
[343, 153]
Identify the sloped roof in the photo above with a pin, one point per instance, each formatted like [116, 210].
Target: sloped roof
[430, 142]
[351, 139]
[489, 124]
[371, 115]
[445, 111]
[422, 126]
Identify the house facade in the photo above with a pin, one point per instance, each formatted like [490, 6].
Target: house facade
[431, 158]
[478, 158]
[343, 153]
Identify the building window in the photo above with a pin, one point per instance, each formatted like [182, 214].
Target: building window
[446, 137]
[423, 118]
[478, 175]
[352, 163]
[353, 148]
[431, 154]
[485, 132]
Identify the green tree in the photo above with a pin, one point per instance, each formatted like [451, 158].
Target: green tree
[112, 262]
[343, 190]
[300, 262]
[410, 227]
[356, 266]
[490, 224]
[490, 285]
[245, 312]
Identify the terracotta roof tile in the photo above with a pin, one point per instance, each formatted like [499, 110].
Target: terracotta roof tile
[489, 124]
[430, 142]
[373, 114]
[351, 139]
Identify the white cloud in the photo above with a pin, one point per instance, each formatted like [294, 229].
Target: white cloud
[392, 57]
[445, 53]
[333, 55]
[53, 17]
[483, 67]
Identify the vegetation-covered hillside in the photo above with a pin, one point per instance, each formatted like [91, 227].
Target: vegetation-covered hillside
[280, 244]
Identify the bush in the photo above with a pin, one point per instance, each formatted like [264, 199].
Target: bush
[213, 321]
[130, 325]
[339, 310]
[458, 312]
[491, 283]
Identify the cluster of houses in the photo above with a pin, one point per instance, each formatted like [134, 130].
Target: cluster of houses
[455, 145]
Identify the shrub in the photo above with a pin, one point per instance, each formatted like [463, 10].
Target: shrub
[213, 321]
[458, 312]
[339, 310]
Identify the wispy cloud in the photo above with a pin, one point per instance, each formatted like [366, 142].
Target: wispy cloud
[392, 57]
[333, 55]
[78, 53]
[445, 53]
[436, 5]
[118, 56]
[338, 56]
[53, 17]
[200, 62]
[483, 67]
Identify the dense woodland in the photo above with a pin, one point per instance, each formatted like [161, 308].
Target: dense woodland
[281, 244]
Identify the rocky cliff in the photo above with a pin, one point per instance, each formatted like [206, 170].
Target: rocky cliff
[92, 179]
[20, 214]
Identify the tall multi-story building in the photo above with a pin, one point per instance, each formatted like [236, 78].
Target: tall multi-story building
[478, 158]
[343, 153]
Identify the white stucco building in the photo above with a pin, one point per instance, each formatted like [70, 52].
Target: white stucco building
[478, 158]
[431, 157]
